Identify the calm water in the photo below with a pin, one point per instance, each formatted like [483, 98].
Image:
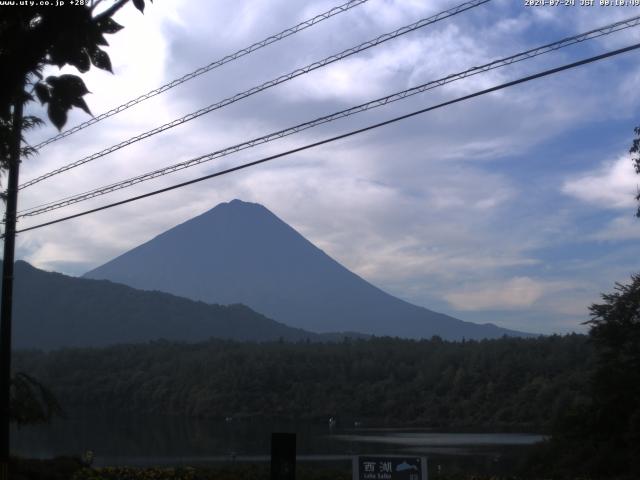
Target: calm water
[159, 440]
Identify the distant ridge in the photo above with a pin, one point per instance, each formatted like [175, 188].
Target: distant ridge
[240, 252]
[52, 310]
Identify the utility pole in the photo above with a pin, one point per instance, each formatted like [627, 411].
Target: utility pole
[7, 284]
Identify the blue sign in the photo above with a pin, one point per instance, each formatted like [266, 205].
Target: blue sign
[389, 467]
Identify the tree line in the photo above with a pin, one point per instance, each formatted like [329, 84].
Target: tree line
[493, 384]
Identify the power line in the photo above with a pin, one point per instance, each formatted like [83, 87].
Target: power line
[252, 91]
[207, 68]
[529, 78]
[60, 203]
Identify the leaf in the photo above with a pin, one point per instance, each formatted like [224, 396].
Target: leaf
[55, 59]
[51, 80]
[31, 121]
[80, 103]
[57, 114]
[81, 61]
[69, 86]
[27, 152]
[101, 60]
[100, 40]
[66, 92]
[109, 25]
[139, 4]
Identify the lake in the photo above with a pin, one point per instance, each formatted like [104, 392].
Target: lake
[163, 440]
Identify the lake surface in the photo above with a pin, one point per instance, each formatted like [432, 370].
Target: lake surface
[160, 440]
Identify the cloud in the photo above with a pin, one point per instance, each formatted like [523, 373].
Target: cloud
[408, 61]
[620, 228]
[557, 304]
[516, 293]
[612, 185]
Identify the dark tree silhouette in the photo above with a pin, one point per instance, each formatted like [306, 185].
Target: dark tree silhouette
[602, 437]
[635, 152]
[31, 401]
[503, 383]
[615, 332]
[32, 38]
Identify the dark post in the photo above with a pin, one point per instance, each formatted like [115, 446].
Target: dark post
[7, 287]
[283, 456]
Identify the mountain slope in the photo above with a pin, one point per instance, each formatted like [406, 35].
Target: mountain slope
[240, 252]
[52, 310]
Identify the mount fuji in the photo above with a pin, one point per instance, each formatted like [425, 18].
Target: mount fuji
[240, 252]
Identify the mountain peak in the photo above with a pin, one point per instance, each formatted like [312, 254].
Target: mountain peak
[236, 203]
[235, 209]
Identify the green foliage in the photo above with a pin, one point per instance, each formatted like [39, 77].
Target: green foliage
[71, 469]
[61, 468]
[128, 473]
[37, 36]
[602, 437]
[615, 332]
[635, 151]
[519, 383]
[62, 93]
[54, 310]
[31, 402]
[28, 122]
[230, 472]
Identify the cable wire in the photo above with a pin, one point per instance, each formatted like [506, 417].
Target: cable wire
[272, 83]
[534, 52]
[207, 68]
[243, 166]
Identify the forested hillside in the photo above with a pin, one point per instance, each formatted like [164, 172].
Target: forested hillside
[509, 382]
[52, 310]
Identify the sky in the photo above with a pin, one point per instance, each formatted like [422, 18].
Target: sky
[515, 208]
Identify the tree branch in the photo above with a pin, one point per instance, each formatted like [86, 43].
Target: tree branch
[95, 4]
[111, 11]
